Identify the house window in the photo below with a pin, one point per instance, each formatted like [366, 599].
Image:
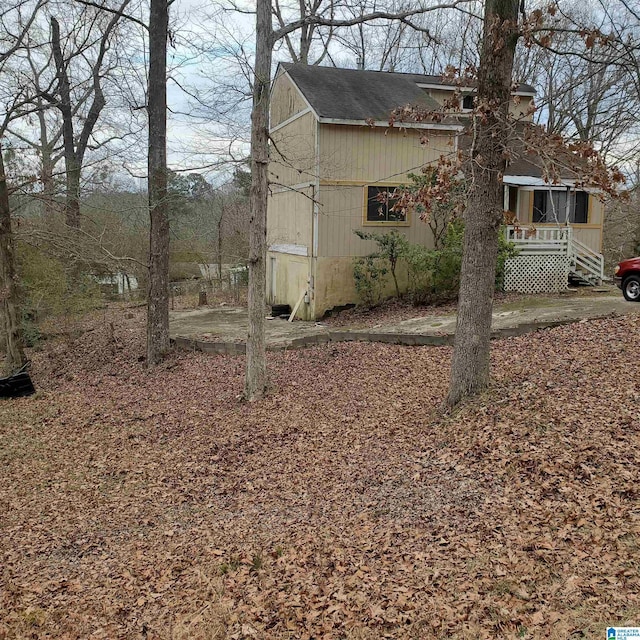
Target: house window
[513, 199]
[551, 206]
[467, 103]
[379, 206]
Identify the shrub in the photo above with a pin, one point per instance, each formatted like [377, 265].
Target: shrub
[369, 273]
[391, 247]
[434, 275]
[420, 272]
[506, 250]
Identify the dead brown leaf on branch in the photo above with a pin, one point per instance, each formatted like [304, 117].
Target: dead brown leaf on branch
[152, 504]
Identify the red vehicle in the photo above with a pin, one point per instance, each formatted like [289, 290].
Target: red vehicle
[627, 277]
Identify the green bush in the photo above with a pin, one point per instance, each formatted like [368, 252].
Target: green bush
[434, 275]
[506, 250]
[391, 247]
[369, 273]
[420, 272]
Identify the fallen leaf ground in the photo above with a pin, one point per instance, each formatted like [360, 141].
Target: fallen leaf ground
[154, 505]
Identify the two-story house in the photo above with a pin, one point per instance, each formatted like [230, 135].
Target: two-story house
[332, 154]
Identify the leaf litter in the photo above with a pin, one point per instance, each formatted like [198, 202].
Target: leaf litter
[154, 504]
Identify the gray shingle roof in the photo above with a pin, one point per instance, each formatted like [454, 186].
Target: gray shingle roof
[352, 94]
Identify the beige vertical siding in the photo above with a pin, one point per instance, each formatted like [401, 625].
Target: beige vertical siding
[335, 285]
[524, 207]
[440, 95]
[360, 156]
[362, 153]
[289, 218]
[591, 237]
[596, 210]
[291, 279]
[341, 212]
[285, 100]
[518, 107]
[293, 153]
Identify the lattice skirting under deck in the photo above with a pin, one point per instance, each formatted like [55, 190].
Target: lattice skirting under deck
[537, 274]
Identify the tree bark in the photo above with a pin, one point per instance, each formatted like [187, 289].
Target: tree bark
[256, 368]
[484, 214]
[10, 329]
[158, 292]
[220, 222]
[72, 170]
[74, 150]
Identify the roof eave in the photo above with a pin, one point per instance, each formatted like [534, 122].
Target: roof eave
[453, 87]
[400, 125]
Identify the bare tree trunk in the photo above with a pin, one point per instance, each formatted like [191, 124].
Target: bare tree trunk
[220, 221]
[72, 170]
[48, 182]
[470, 366]
[10, 329]
[256, 371]
[72, 192]
[74, 150]
[158, 294]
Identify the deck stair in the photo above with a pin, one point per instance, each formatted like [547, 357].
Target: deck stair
[585, 265]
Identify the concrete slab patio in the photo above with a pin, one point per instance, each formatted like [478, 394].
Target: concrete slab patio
[224, 329]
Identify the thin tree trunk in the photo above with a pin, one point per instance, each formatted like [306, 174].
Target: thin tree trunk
[220, 221]
[72, 192]
[158, 293]
[48, 183]
[470, 366]
[10, 329]
[256, 368]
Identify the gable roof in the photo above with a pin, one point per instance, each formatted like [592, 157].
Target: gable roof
[353, 94]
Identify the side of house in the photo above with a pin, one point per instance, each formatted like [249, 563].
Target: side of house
[292, 209]
[326, 178]
[357, 164]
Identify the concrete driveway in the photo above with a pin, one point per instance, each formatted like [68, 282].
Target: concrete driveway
[230, 324]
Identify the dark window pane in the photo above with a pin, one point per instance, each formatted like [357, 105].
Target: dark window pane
[539, 206]
[513, 199]
[582, 207]
[467, 102]
[380, 206]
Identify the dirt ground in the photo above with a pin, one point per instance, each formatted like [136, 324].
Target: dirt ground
[230, 323]
[155, 505]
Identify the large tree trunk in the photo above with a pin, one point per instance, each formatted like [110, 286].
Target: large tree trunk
[484, 214]
[10, 330]
[256, 371]
[158, 293]
[72, 166]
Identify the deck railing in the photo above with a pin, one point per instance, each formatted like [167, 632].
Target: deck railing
[546, 240]
[583, 260]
